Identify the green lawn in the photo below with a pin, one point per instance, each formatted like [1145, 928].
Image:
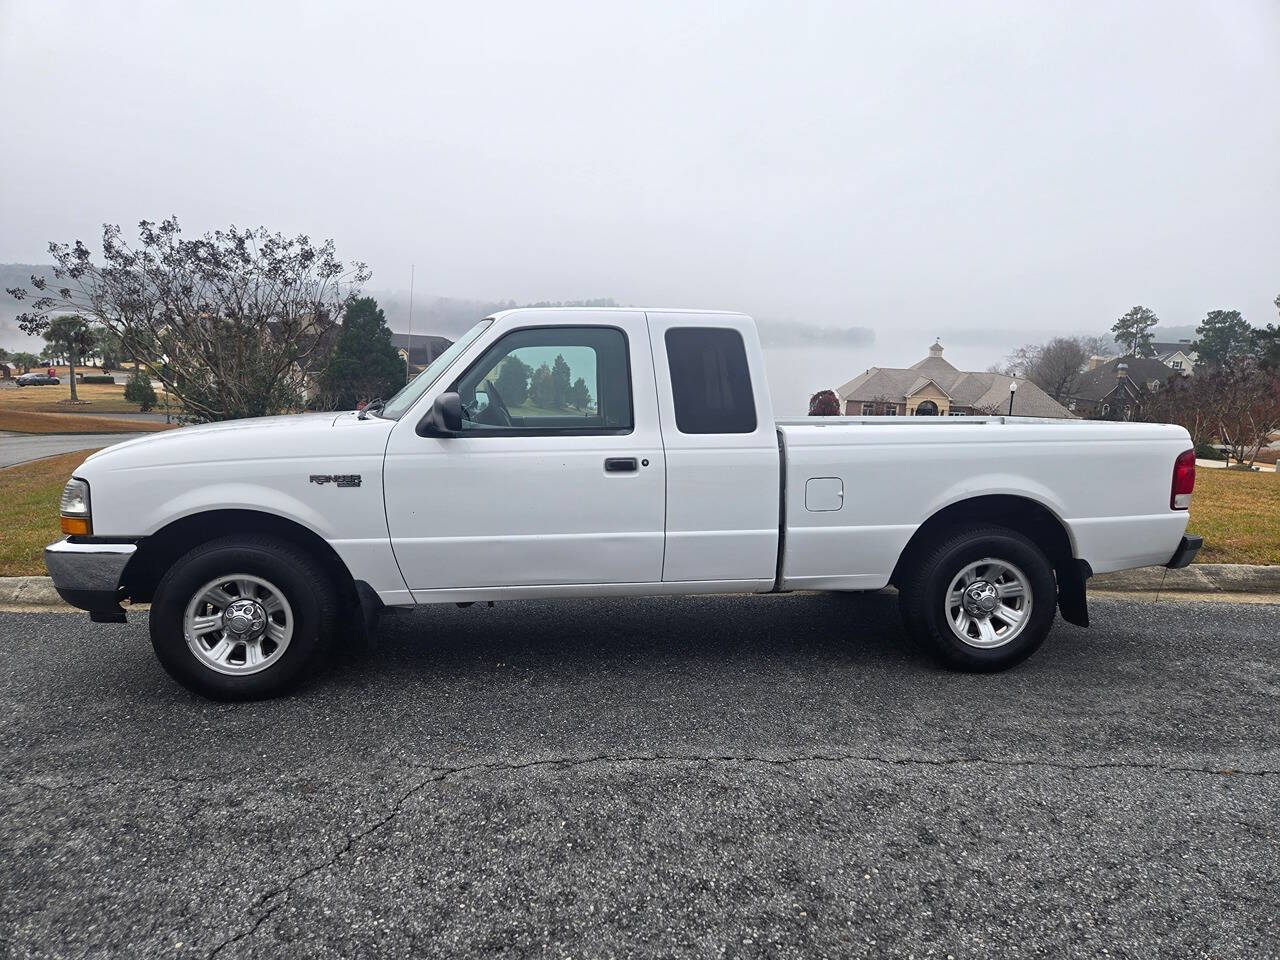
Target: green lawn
[29, 495]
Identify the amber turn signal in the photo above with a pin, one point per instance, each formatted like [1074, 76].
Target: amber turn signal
[76, 526]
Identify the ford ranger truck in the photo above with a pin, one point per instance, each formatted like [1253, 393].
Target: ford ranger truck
[600, 453]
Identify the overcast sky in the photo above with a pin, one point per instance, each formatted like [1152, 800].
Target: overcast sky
[989, 173]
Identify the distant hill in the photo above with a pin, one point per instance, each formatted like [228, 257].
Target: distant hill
[17, 275]
[1171, 334]
[448, 317]
[441, 316]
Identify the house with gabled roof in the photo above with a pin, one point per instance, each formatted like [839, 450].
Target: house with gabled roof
[1117, 389]
[419, 349]
[933, 387]
[1177, 355]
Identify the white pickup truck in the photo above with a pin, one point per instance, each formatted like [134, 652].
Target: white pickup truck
[601, 453]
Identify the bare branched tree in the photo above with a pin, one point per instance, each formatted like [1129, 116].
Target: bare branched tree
[1054, 367]
[1188, 402]
[229, 322]
[1248, 408]
[1240, 406]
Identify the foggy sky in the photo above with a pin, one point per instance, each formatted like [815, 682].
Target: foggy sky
[989, 173]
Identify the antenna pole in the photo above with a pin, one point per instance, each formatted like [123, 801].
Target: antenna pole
[409, 352]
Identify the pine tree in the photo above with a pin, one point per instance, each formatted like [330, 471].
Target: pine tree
[1223, 336]
[578, 396]
[138, 390]
[541, 388]
[365, 364]
[1133, 331]
[560, 382]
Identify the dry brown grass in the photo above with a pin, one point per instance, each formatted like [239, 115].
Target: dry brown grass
[29, 495]
[1238, 514]
[30, 421]
[100, 397]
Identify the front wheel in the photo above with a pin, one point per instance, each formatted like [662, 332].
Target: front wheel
[241, 618]
[981, 599]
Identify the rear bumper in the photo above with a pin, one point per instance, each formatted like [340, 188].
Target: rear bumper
[87, 575]
[1185, 553]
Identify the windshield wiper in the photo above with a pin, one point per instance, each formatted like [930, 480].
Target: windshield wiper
[373, 406]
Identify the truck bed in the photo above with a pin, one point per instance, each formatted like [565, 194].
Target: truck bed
[857, 488]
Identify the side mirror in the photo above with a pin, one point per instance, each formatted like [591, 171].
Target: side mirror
[444, 419]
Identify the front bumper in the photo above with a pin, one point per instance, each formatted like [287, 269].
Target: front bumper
[1185, 553]
[87, 574]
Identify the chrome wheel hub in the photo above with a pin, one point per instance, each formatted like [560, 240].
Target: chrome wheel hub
[988, 603]
[238, 624]
[980, 598]
[245, 619]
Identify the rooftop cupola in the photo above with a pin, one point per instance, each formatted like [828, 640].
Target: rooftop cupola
[936, 349]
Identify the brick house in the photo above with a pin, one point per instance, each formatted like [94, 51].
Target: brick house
[933, 387]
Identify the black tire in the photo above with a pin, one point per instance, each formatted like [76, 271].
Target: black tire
[923, 597]
[304, 584]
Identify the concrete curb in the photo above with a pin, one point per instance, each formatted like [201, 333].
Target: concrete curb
[1199, 578]
[28, 591]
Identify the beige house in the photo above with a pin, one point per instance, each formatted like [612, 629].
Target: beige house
[1178, 355]
[934, 388]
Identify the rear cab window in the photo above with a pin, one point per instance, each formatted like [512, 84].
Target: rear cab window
[710, 380]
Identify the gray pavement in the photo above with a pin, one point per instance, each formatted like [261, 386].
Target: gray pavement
[18, 448]
[740, 776]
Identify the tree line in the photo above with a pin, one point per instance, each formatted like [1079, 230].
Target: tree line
[1232, 397]
[549, 386]
[1222, 338]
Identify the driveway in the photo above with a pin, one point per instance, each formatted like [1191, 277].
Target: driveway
[20, 447]
[741, 777]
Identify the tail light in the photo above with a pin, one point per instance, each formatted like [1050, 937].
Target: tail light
[1184, 480]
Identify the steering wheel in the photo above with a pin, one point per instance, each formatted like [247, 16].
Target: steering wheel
[497, 405]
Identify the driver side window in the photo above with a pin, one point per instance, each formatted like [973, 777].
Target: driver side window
[549, 380]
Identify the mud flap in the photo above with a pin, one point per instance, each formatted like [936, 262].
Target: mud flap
[1072, 601]
[362, 622]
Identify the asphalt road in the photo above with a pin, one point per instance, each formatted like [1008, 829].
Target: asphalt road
[20, 447]
[740, 777]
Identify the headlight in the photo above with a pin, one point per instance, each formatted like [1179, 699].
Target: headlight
[74, 508]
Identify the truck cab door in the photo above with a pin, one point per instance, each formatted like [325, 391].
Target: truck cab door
[723, 477]
[557, 476]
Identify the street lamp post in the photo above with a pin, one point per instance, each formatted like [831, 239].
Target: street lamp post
[1013, 388]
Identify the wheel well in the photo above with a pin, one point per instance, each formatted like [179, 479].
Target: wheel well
[158, 552]
[1031, 519]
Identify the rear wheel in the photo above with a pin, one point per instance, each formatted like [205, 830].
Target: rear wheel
[981, 599]
[241, 618]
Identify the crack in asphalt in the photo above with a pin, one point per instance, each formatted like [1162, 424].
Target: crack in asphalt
[43, 784]
[439, 774]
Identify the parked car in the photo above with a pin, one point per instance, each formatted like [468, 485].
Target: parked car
[37, 380]
[656, 467]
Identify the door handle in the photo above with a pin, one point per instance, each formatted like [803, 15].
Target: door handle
[620, 465]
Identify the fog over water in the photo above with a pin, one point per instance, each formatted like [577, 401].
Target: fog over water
[863, 178]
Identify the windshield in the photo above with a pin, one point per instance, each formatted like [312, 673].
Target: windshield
[402, 401]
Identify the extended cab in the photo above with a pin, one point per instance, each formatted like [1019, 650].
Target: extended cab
[595, 453]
